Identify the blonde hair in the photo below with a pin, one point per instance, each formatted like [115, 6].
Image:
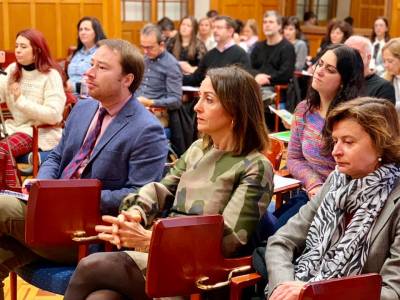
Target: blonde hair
[394, 47]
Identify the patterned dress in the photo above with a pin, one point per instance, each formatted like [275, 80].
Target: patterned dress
[211, 181]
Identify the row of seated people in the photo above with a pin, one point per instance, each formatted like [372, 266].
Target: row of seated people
[74, 168]
[121, 144]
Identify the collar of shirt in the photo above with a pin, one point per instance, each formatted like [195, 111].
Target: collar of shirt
[115, 108]
[226, 46]
[88, 52]
[158, 57]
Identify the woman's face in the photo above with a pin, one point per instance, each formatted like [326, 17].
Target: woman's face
[247, 32]
[326, 78]
[391, 62]
[212, 118]
[380, 28]
[24, 51]
[336, 36]
[87, 34]
[186, 28]
[353, 151]
[204, 27]
[289, 32]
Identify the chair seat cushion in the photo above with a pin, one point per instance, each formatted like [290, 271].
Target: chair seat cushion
[47, 276]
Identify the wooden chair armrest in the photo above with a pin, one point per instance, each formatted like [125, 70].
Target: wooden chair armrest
[238, 283]
[283, 173]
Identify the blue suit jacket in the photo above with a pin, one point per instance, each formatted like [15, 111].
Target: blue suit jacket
[131, 152]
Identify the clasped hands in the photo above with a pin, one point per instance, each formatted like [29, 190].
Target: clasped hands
[124, 231]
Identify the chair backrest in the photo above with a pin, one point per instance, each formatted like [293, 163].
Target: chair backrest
[275, 152]
[183, 250]
[58, 208]
[10, 58]
[361, 287]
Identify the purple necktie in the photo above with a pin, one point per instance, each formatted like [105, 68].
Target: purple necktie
[86, 148]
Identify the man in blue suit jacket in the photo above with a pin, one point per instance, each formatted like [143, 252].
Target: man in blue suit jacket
[129, 151]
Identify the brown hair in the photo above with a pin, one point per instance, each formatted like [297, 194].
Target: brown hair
[192, 48]
[379, 119]
[240, 96]
[131, 60]
[394, 47]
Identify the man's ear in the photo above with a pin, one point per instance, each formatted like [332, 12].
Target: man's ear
[127, 79]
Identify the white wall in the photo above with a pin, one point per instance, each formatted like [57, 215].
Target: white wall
[201, 7]
[343, 9]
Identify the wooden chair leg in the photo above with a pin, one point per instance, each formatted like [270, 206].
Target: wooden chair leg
[13, 285]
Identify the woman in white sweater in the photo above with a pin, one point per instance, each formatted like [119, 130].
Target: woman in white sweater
[33, 90]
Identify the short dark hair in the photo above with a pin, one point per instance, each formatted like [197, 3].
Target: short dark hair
[131, 59]
[379, 119]
[309, 15]
[240, 96]
[166, 23]
[151, 28]
[212, 13]
[228, 20]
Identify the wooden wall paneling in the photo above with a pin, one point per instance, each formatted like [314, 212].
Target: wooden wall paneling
[19, 18]
[364, 12]
[2, 24]
[395, 18]
[45, 14]
[70, 16]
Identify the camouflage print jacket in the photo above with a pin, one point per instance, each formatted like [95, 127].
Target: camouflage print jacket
[211, 181]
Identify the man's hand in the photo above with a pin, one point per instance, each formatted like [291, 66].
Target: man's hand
[146, 101]
[287, 291]
[262, 79]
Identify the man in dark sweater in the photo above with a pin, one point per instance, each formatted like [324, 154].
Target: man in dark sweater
[273, 60]
[374, 86]
[225, 53]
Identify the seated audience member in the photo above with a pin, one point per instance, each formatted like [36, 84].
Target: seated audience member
[186, 47]
[310, 19]
[249, 35]
[374, 85]
[33, 90]
[205, 33]
[89, 33]
[217, 175]
[379, 37]
[167, 27]
[113, 138]
[292, 32]
[273, 59]
[224, 54]
[353, 225]
[338, 77]
[337, 33]
[162, 82]
[391, 60]
[212, 14]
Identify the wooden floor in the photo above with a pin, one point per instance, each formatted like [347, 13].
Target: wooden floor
[29, 292]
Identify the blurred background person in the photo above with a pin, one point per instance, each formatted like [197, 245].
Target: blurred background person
[89, 33]
[186, 47]
[249, 35]
[337, 33]
[167, 28]
[292, 32]
[310, 19]
[205, 33]
[379, 37]
[391, 60]
[33, 90]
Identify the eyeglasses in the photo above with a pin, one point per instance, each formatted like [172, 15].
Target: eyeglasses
[148, 48]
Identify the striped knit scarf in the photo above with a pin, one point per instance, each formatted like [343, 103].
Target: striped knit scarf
[333, 250]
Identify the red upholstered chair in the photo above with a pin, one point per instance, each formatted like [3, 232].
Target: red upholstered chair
[185, 257]
[275, 152]
[279, 88]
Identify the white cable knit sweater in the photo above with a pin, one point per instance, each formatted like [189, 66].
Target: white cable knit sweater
[42, 101]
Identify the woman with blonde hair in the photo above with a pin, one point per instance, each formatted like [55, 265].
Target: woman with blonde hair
[391, 61]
